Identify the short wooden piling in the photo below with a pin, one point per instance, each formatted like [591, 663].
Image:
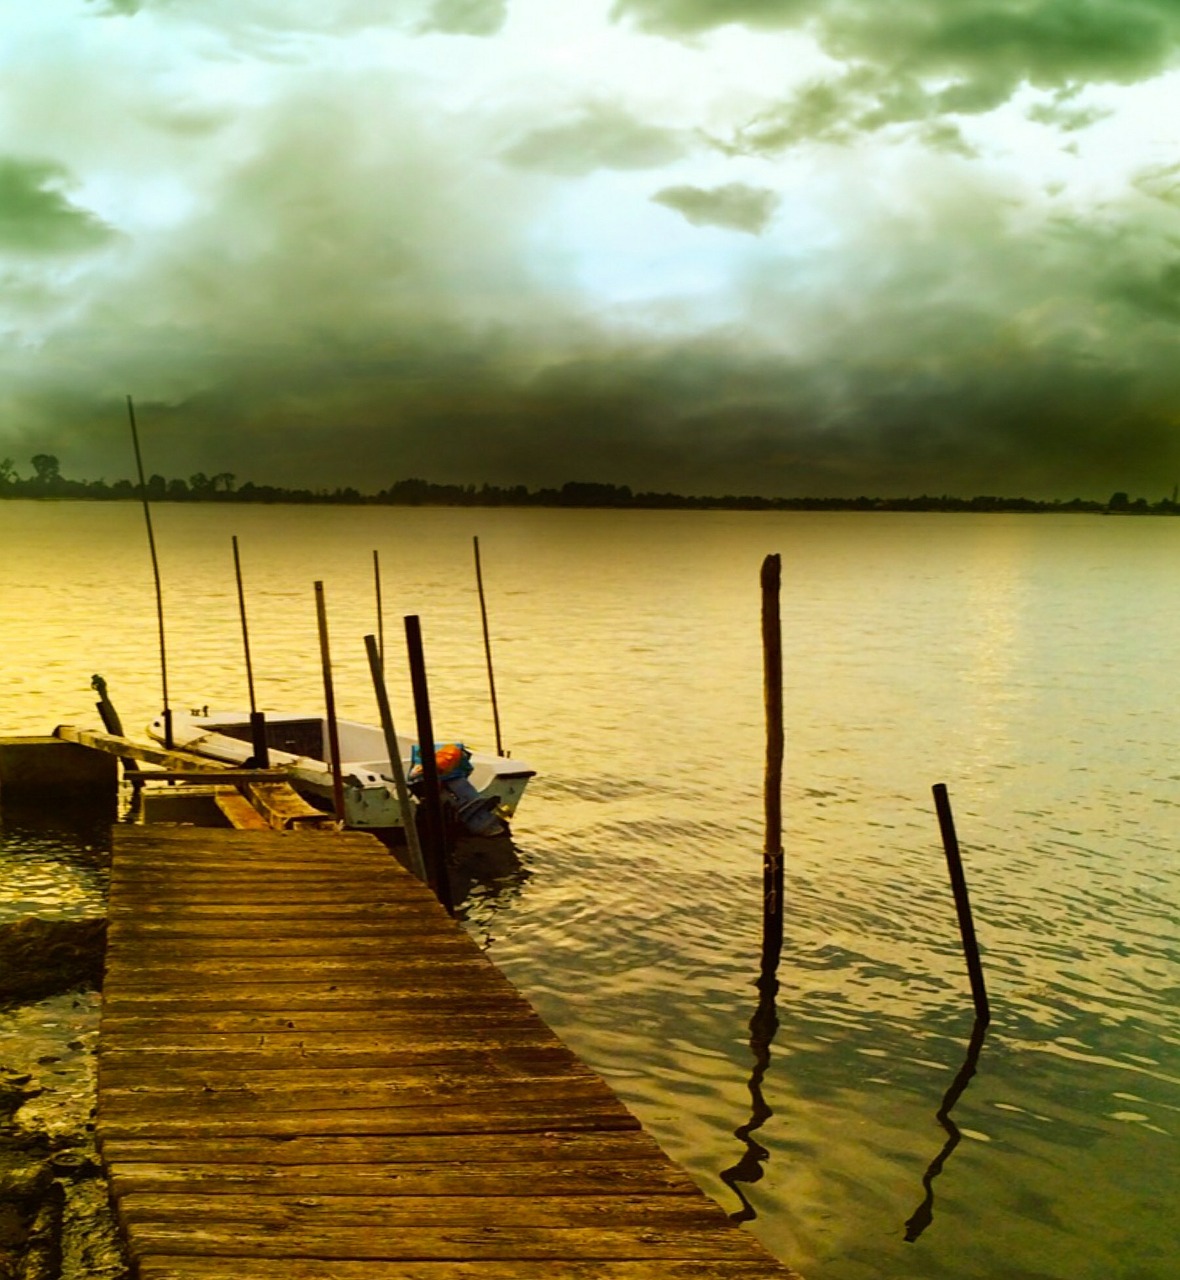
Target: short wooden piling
[430, 799]
[954, 862]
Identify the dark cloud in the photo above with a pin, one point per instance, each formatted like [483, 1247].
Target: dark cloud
[599, 136]
[917, 59]
[691, 417]
[1157, 294]
[36, 217]
[735, 206]
[467, 17]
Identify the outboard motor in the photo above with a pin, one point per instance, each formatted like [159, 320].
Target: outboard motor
[476, 813]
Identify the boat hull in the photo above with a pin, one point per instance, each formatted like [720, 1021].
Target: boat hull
[295, 742]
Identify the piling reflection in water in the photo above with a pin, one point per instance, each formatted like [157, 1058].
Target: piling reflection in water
[763, 1027]
[923, 1215]
[487, 875]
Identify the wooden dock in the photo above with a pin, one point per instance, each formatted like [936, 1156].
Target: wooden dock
[308, 1071]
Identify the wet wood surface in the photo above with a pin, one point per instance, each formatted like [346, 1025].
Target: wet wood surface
[307, 1070]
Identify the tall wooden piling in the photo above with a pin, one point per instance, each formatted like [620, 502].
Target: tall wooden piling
[405, 803]
[257, 719]
[487, 648]
[772, 668]
[147, 515]
[430, 797]
[380, 611]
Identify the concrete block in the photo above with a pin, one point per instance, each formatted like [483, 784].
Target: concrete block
[46, 766]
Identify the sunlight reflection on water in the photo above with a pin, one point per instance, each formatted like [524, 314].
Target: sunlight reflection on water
[1021, 660]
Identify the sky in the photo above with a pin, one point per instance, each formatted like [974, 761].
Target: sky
[779, 247]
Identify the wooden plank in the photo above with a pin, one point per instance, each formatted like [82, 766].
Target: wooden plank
[111, 744]
[241, 813]
[604, 1177]
[157, 1267]
[263, 969]
[480, 985]
[552, 1145]
[290, 1213]
[510, 1118]
[295, 1055]
[225, 774]
[494, 1067]
[192, 935]
[344, 947]
[283, 807]
[198, 1098]
[452, 1244]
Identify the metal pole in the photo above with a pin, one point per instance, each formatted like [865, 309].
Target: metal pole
[405, 803]
[487, 648]
[772, 668]
[257, 719]
[330, 703]
[147, 515]
[954, 862]
[434, 844]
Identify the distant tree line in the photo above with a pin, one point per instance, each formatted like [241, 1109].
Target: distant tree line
[46, 481]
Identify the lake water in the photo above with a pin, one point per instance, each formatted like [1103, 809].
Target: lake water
[1026, 661]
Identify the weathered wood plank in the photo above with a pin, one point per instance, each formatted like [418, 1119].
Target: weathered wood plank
[286, 1212]
[375, 1023]
[517, 1116]
[453, 1244]
[111, 744]
[636, 1176]
[251, 1268]
[283, 807]
[372, 921]
[227, 773]
[482, 1033]
[265, 968]
[344, 946]
[344, 942]
[296, 1056]
[196, 1101]
[482, 988]
[552, 1145]
[487, 1068]
[240, 812]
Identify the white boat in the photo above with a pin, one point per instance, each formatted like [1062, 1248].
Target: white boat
[484, 800]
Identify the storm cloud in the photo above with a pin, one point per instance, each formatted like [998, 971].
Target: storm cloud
[778, 248]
